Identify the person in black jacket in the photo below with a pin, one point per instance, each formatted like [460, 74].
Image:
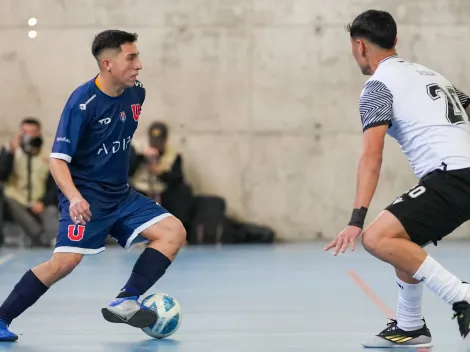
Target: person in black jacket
[156, 170]
[28, 188]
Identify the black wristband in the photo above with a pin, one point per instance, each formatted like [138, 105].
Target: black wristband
[358, 217]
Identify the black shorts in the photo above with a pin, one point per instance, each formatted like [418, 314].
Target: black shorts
[435, 207]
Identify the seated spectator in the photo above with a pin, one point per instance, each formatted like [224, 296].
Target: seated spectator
[28, 187]
[156, 171]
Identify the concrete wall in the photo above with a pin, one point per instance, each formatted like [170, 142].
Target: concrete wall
[261, 95]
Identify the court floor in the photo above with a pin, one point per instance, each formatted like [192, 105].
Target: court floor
[289, 297]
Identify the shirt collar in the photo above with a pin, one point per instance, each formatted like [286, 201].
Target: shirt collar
[388, 58]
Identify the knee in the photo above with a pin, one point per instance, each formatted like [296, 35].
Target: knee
[377, 242]
[177, 233]
[171, 232]
[371, 241]
[63, 264]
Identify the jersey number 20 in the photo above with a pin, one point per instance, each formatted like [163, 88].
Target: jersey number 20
[455, 113]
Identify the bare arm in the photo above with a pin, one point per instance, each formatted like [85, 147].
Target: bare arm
[369, 165]
[376, 109]
[62, 177]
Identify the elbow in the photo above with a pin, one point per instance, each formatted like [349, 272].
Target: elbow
[54, 163]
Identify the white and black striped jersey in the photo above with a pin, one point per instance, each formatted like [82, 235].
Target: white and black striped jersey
[425, 112]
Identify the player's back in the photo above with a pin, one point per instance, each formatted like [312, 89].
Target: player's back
[429, 121]
[94, 135]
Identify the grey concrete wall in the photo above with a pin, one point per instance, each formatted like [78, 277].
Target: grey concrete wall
[261, 95]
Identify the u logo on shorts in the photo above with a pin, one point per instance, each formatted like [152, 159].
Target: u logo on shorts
[76, 235]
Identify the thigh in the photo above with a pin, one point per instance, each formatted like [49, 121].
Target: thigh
[83, 239]
[136, 214]
[427, 211]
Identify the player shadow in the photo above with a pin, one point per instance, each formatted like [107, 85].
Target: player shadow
[401, 349]
[167, 345]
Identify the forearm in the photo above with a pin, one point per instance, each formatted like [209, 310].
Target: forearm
[62, 177]
[157, 169]
[367, 179]
[174, 175]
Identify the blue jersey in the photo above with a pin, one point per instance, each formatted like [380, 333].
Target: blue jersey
[94, 135]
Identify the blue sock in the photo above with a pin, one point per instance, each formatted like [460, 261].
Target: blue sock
[148, 269]
[26, 292]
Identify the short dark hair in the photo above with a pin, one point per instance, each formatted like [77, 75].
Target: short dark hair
[111, 39]
[31, 121]
[378, 27]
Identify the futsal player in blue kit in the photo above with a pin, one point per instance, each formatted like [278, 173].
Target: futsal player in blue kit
[89, 162]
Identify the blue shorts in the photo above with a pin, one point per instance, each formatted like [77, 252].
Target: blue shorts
[124, 223]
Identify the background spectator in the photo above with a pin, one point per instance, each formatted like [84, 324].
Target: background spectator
[28, 187]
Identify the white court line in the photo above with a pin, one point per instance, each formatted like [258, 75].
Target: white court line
[6, 258]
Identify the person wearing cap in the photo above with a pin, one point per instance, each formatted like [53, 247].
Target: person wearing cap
[156, 171]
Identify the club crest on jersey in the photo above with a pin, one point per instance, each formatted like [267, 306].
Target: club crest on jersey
[135, 111]
[123, 116]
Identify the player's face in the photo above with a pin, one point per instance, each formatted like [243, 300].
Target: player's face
[126, 65]
[359, 52]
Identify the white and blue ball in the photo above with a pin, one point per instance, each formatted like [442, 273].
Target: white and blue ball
[169, 315]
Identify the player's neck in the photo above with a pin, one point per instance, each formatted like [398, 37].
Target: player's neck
[379, 56]
[107, 87]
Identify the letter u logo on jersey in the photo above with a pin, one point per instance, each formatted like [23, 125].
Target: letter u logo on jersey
[135, 111]
[75, 232]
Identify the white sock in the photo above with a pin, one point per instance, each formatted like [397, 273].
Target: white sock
[409, 307]
[445, 284]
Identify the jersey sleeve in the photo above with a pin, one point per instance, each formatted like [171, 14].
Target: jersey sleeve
[140, 91]
[143, 96]
[71, 125]
[464, 98]
[375, 105]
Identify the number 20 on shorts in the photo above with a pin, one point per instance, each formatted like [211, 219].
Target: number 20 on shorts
[75, 232]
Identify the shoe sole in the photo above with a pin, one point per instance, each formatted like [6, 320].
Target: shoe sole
[11, 339]
[423, 345]
[141, 319]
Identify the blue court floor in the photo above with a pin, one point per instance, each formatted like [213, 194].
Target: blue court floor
[292, 297]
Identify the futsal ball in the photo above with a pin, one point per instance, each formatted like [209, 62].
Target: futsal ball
[169, 315]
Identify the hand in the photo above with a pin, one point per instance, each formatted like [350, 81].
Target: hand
[151, 152]
[15, 142]
[156, 169]
[79, 211]
[37, 208]
[345, 237]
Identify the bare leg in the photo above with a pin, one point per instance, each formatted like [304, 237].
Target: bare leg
[36, 282]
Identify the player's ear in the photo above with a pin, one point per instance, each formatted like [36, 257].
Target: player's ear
[361, 48]
[106, 65]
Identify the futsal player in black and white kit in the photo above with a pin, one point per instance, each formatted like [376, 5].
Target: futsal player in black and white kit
[428, 116]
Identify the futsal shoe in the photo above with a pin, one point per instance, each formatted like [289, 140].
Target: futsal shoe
[394, 337]
[127, 310]
[5, 334]
[462, 313]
